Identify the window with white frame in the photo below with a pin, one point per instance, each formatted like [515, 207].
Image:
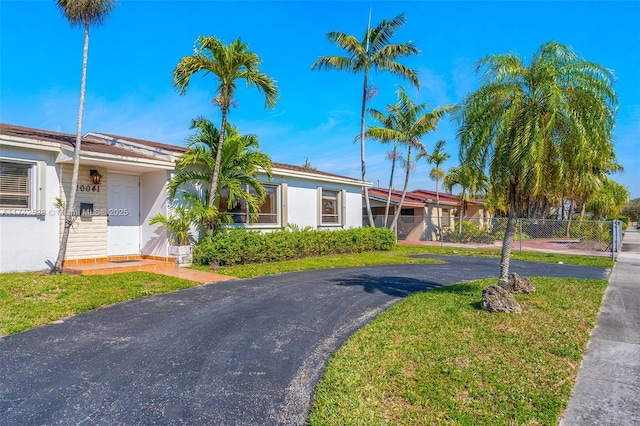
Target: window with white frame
[15, 185]
[267, 214]
[330, 207]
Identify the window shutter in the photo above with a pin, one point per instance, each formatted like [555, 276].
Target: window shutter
[319, 205]
[284, 218]
[41, 186]
[343, 207]
[15, 187]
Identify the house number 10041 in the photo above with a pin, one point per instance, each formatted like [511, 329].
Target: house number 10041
[88, 188]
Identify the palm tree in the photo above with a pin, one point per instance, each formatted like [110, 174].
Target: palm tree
[82, 14]
[178, 224]
[437, 158]
[472, 183]
[409, 124]
[388, 121]
[228, 64]
[525, 122]
[374, 52]
[609, 200]
[240, 162]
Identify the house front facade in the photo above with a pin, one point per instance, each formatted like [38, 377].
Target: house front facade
[122, 183]
[423, 212]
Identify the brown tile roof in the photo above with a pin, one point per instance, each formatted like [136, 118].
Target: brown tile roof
[67, 140]
[409, 199]
[418, 197]
[431, 195]
[444, 196]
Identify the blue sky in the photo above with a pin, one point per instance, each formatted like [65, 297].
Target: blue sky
[132, 55]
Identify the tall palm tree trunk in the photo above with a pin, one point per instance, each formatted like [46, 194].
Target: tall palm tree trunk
[404, 190]
[362, 156]
[439, 212]
[507, 244]
[71, 202]
[393, 167]
[213, 189]
[571, 207]
[461, 211]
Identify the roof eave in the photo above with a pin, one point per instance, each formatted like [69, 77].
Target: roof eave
[66, 156]
[29, 143]
[318, 177]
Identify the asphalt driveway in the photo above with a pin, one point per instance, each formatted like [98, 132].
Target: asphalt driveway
[242, 352]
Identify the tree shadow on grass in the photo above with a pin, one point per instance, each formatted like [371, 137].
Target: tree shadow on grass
[404, 286]
[393, 286]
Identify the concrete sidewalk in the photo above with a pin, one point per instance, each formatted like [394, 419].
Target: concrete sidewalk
[607, 390]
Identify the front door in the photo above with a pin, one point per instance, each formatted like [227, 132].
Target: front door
[123, 209]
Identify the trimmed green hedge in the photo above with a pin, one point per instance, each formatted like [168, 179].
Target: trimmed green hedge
[239, 246]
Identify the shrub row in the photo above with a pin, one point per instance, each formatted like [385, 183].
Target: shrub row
[239, 246]
[470, 233]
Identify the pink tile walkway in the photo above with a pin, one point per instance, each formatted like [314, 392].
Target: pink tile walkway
[193, 275]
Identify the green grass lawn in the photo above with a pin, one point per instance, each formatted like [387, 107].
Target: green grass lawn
[28, 300]
[436, 358]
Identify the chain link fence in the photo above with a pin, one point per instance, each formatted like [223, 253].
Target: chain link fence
[591, 237]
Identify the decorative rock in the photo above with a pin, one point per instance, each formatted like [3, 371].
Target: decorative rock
[518, 284]
[497, 299]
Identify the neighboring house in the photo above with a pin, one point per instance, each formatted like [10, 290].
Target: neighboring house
[420, 210]
[35, 171]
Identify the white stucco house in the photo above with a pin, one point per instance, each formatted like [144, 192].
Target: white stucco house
[35, 171]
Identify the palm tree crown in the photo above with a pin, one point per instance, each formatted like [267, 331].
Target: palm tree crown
[86, 12]
[437, 157]
[532, 125]
[228, 64]
[374, 52]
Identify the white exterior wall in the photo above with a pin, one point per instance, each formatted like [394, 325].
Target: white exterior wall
[354, 208]
[302, 199]
[153, 200]
[30, 243]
